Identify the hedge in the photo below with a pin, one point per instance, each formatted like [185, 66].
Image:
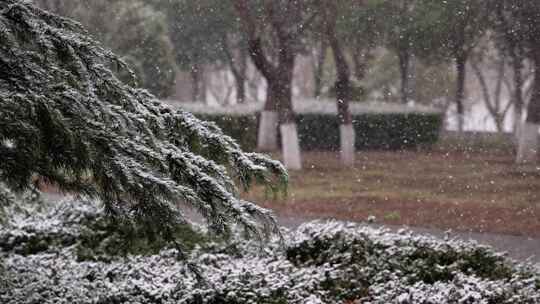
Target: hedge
[388, 131]
[243, 127]
[79, 260]
[373, 131]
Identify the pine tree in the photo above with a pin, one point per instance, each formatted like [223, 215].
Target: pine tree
[67, 120]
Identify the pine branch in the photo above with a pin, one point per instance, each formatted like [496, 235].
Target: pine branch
[71, 122]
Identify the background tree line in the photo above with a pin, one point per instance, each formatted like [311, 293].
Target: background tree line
[396, 50]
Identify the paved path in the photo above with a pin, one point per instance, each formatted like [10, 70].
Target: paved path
[519, 248]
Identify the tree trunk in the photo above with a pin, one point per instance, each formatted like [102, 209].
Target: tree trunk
[239, 73]
[493, 105]
[347, 134]
[411, 83]
[319, 68]
[360, 61]
[237, 67]
[528, 142]
[404, 65]
[278, 110]
[290, 144]
[343, 96]
[499, 123]
[241, 77]
[267, 139]
[284, 93]
[278, 78]
[240, 90]
[195, 73]
[461, 61]
[517, 66]
[203, 86]
[343, 90]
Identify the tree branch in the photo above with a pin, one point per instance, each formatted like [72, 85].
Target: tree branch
[256, 52]
[483, 85]
[229, 56]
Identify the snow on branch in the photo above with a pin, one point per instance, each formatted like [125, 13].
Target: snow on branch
[72, 123]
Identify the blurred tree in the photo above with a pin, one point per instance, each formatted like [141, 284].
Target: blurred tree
[435, 83]
[521, 24]
[132, 29]
[400, 18]
[206, 32]
[451, 29]
[67, 120]
[511, 42]
[484, 60]
[320, 51]
[283, 24]
[236, 52]
[363, 27]
[317, 45]
[330, 16]
[145, 45]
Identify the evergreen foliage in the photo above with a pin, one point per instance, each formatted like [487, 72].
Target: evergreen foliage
[67, 120]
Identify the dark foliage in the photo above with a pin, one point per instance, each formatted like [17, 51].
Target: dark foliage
[321, 131]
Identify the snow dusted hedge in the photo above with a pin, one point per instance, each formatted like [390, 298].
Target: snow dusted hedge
[320, 262]
[31, 228]
[377, 126]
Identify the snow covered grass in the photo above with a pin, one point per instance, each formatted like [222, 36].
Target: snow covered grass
[320, 262]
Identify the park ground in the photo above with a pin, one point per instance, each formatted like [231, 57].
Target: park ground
[437, 189]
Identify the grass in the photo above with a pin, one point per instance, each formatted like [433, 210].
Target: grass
[400, 186]
[453, 177]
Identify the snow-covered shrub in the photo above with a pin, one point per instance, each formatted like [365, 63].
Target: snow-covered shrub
[406, 268]
[6, 199]
[82, 223]
[320, 262]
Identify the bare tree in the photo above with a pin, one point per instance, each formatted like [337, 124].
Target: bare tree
[512, 44]
[493, 100]
[454, 29]
[320, 55]
[198, 82]
[528, 144]
[404, 48]
[521, 23]
[238, 65]
[286, 22]
[342, 85]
